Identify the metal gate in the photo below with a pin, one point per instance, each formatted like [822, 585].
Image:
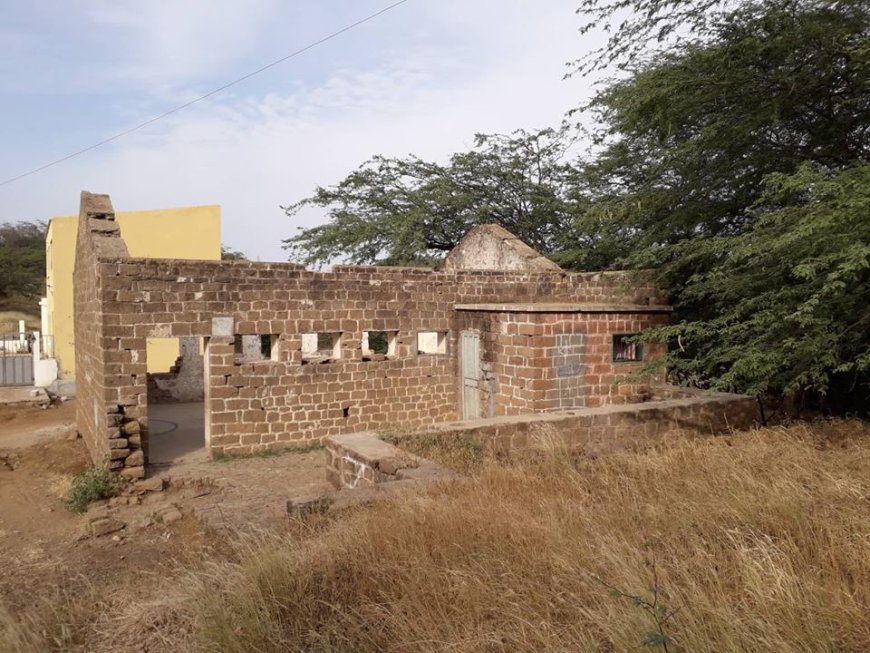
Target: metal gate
[16, 360]
[16, 369]
[470, 374]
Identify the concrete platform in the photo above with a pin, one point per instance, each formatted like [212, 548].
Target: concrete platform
[23, 394]
[176, 434]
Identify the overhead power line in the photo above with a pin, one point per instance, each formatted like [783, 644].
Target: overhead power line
[168, 113]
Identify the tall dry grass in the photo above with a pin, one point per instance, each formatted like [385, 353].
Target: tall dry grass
[759, 541]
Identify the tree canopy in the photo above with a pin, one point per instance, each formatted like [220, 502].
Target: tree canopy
[638, 30]
[786, 303]
[689, 139]
[407, 211]
[732, 166]
[22, 260]
[732, 159]
[230, 254]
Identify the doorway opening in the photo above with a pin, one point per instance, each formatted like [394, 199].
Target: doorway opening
[176, 409]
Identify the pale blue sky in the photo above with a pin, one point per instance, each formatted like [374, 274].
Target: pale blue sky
[421, 79]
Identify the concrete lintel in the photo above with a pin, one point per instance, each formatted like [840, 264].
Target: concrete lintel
[564, 308]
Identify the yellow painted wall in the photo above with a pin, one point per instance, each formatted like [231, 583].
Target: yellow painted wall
[191, 232]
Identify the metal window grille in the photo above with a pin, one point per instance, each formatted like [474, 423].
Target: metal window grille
[624, 350]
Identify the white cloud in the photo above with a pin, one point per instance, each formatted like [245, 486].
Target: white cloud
[166, 42]
[502, 70]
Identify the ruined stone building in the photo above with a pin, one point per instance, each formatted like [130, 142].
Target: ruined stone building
[293, 356]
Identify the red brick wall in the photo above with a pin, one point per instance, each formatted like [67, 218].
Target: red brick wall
[535, 362]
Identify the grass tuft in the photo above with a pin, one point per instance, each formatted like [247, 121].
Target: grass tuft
[93, 484]
[455, 450]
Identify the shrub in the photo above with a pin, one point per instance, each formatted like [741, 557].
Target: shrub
[93, 484]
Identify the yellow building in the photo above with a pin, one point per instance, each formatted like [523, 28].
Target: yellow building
[192, 232]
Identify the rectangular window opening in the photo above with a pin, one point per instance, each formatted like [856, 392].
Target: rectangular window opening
[431, 342]
[253, 348]
[624, 350]
[321, 347]
[379, 345]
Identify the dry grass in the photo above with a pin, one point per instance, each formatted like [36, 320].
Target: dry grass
[454, 450]
[760, 541]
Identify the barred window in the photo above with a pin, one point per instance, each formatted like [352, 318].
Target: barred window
[626, 351]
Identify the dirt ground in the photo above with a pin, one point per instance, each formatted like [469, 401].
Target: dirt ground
[47, 552]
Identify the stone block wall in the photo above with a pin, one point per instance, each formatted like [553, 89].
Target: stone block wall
[91, 406]
[144, 298]
[363, 460]
[103, 395]
[275, 403]
[288, 398]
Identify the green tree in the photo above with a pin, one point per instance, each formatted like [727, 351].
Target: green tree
[639, 29]
[412, 212]
[695, 146]
[787, 300]
[230, 254]
[22, 261]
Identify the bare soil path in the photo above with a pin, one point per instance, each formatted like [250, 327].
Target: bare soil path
[48, 553]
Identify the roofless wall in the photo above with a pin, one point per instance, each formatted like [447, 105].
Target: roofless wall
[355, 348]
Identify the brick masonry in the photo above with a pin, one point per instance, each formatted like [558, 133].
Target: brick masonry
[362, 460]
[546, 361]
[532, 359]
[111, 435]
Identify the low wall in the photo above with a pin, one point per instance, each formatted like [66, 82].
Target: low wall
[359, 460]
[606, 429]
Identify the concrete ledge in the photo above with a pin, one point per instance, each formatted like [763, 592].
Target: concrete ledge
[364, 460]
[25, 394]
[564, 308]
[598, 431]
